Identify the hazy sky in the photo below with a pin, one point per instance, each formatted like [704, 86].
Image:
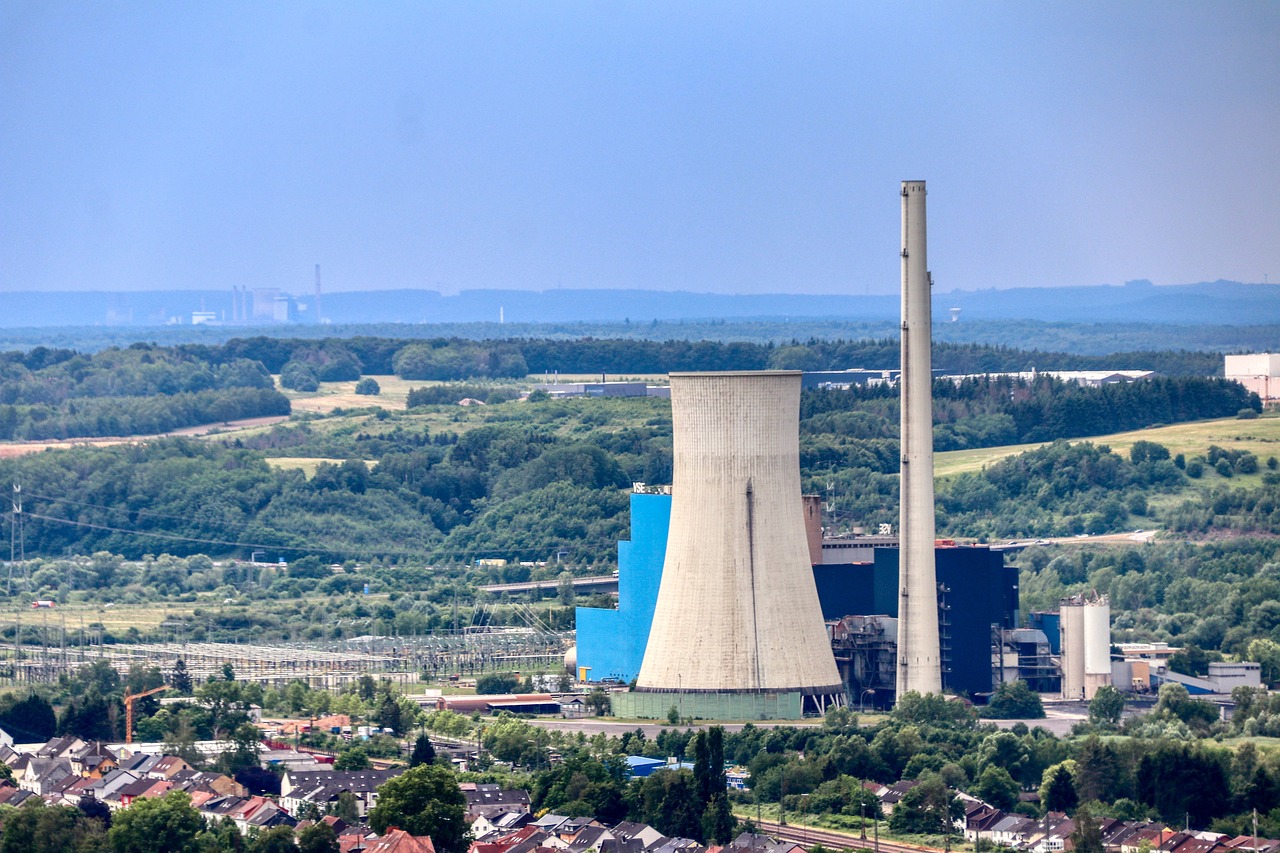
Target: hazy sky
[708, 146]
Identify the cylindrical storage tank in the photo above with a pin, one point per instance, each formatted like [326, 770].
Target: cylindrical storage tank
[1097, 637]
[737, 608]
[1097, 645]
[1073, 634]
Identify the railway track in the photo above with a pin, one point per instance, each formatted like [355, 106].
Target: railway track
[809, 836]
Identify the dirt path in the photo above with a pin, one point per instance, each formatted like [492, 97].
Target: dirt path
[12, 449]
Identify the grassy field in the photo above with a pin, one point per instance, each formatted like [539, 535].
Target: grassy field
[1261, 437]
[117, 619]
[342, 395]
[307, 464]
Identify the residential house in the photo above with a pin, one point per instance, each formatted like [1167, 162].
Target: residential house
[41, 775]
[95, 759]
[642, 832]
[489, 800]
[323, 786]
[399, 841]
[144, 787]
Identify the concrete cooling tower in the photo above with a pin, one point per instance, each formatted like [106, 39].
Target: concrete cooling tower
[738, 631]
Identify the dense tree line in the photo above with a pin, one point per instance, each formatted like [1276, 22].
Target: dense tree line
[111, 416]
[59, 393]
[462, 358]
[533, 480]
[1181, 350]
[1218, 596]
[992, 411]
[138, 390]
[51, 377]
[1060, 489]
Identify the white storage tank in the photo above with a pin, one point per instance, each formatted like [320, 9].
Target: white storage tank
[1086, 645]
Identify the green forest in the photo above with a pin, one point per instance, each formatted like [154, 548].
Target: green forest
[530, 479]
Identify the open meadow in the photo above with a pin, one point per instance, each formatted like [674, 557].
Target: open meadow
[1260, 436]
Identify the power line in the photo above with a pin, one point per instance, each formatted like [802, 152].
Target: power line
[173, 536]
[345, 550]
[112, 509]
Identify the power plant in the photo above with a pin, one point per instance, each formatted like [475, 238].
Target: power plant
[737, 629]
[732, 604]
[919, 655]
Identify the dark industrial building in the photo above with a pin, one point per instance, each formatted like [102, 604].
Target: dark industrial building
[977, 600]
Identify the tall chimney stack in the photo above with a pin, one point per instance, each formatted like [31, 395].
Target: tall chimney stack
[919, 653]
[318, 314]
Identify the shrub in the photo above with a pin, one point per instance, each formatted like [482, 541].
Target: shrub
[368, 387]
[1246, 414]
[1224, 468]
[298, 376]
[1195, 468]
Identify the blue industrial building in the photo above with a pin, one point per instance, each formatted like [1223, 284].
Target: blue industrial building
[611, 642]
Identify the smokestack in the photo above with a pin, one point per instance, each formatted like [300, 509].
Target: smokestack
[919, 652]
[318, 314]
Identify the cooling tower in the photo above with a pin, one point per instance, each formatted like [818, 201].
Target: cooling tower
[919, 652]
[737, 615]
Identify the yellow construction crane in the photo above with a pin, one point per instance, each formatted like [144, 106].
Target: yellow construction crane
[129, 699]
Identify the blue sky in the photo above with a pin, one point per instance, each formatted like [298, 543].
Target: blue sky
[728, 147]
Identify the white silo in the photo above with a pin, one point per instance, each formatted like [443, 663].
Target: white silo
[919, 650]
[1085, 623]
[737, 631]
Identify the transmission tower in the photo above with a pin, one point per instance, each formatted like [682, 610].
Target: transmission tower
[17, 543]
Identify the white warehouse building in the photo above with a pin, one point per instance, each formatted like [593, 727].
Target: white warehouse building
[1259, 372]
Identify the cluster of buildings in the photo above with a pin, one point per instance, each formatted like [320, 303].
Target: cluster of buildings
[553, 833]
[69, 771]
[604, 389]
[1052, 834]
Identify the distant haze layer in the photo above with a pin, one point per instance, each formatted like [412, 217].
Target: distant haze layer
[1219, 303]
